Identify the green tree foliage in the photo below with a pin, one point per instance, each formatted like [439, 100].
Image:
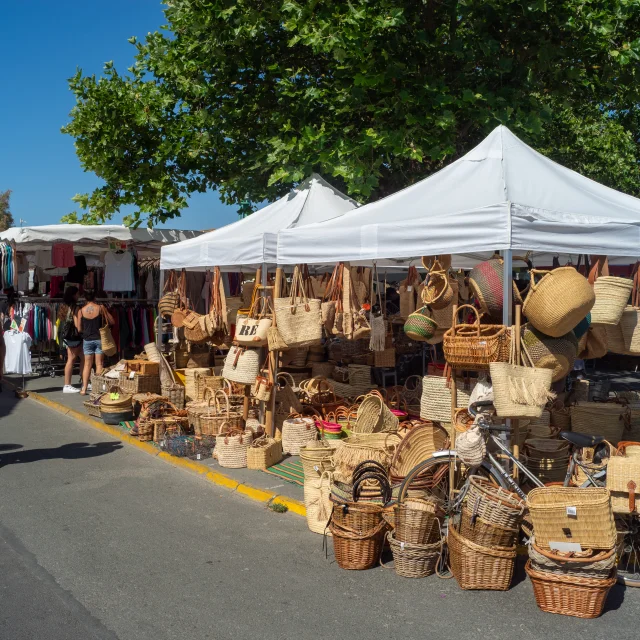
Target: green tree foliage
[250, 96]
[6, 219]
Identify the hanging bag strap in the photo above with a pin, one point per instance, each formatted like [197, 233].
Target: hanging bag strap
[635, 291]
[600, 268]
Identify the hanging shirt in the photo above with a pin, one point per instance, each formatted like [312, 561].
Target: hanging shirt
[43, 259]
[18, 356]
[62, 255]
[118, 271]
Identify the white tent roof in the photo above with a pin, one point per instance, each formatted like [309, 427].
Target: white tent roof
[93, 238]
[500, 195]
[252, 241]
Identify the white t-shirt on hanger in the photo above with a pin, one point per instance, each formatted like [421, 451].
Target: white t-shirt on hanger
[18, 356]
[118, 271]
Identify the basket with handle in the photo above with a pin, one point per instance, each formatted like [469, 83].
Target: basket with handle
[437, 292]
[585, 564]
[264, 452]
[317, 501]
[210, 421]
[418, 520]
[558, 301]
[630, 321]
[232, 446]
[296, 432]
[478, 530]
[374, 416]
[359, 448]
[414, 560]
[420, 326]
[475, 346]
[494, 504]
[612, 294]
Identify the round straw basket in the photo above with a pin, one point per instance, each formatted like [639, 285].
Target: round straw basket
[570, 595]
[612, 296]
[418, 445]
[316, 457]
[374, 416]
[475, 566]
[414, 560]
[297, 432]
[558, 301]
[557, 354]
[359, 448]
[437, 292]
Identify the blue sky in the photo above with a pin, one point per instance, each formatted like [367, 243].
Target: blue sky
[41, 44]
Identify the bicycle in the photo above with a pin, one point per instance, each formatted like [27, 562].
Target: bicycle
[493, 468]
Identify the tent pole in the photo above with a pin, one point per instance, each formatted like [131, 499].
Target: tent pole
[263, 293]
[507, 320]
[270, 424]
[159, 318]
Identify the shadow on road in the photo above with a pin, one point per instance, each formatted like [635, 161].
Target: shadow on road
[71, 451]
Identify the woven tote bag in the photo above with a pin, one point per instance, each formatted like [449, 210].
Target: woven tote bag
[435, 402]
[557, 354]
[298, 318]
[317, 501]
[612, 294]
[630, 321]
[623, 480]
[241, 365]
[558, 301]
[606, 419]
[296, 433]
[593, 344]
[231, 448]
[520, 391]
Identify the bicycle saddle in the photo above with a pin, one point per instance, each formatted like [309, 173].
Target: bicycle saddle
[581, 440]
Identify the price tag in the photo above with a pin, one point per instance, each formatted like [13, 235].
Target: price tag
[565, 547]
[132, 375]
[409, 289]
[572, 512]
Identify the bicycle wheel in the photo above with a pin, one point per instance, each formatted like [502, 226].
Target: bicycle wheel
[628, 552]
[433, 476]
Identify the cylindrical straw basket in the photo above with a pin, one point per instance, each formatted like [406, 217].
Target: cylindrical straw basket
[569, 514]
[316, 457]
[297, 432]
[570, 595]
[317, 501]
[375, 417]
[475, 566]
[414, 560]
[612, 296]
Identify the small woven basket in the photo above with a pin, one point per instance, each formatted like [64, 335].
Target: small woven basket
[493, 504]
[357, 550]
[414, 560]
[92, 408]
[478, 530]
[612, 296]
[264, 453]
[417, 521]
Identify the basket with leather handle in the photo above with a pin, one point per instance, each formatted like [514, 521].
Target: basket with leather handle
[612, 294]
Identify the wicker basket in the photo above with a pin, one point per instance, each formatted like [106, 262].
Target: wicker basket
[478, 530]
[552, 512]
[612, 296]
[437, 291]
[316, 457]
[493, 504]
[414, 560]
[561, 419]
[264, 453]
[475, 346]
[385, 358]
[317, 502]
[139, 383]
[102, 384]
[204, 381]
[376, 447]
[418, 521]
[175, 393]
[324, 369]
[297, 432]
[475, 566]
[418, 445]
[587, 564]
[357, 549]
[606, 419]
[209, 423]
[623, 472]
[570, 595]
[190, 387]
[92, 408]
[374, 416]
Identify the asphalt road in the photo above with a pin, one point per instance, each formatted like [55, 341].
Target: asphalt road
[99, 540]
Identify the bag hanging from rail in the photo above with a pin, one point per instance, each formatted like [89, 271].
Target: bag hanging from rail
[612, 294]
[253, 330]
[241, 365]
[106, 338]
[408, 292]
[557, 354]
[520, 391]
[298, 318]
[170, 298]
[630, 321]
[180, 310]
[332, 301]
[558, 301]
[436, 292]
[420, 326]
[263, 385]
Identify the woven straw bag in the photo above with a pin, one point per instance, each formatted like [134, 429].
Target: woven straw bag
[612, 294]
[374, 416]
[408, 292]
[630, 321]
[557, 354]
[593, 344]
[435, 402]
[444, 317]
[192, 384]
[558, 301]
[606, 419]
[623, 481]
[231, 448]
[475, 346]
[241, 365]
[264, 453]
[317, 501]
[437, 291]
[363, 447]
[520, 391]
[296, 433]
[298, 318]
[471, 447]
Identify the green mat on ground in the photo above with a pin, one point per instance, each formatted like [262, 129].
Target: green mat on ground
[290, 469]
[127, 426]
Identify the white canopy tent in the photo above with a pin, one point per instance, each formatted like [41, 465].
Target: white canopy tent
[93, 239]
[501, 195]
[251, 242]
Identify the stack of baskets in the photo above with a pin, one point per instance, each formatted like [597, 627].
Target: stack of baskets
[574, 584]
[482, 547]
[116, 406]
[132, 382]
[316, 457]
[416, 542]
[547, 459]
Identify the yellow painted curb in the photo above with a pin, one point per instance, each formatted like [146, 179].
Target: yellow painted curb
[222, 480]
[293, 505]
[259, 495]
[255, 494]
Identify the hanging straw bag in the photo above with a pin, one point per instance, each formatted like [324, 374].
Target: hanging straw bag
[253, 330]
[241, 365]
[557, 354]
[263, 385]
[170, 298]
[420, 326]
[108, 344]
[593, 344]
[558, 301]
[437, 292]
[630, 321]
[520, 391]
[612, 294]
[298, 318]
[475, 346]
[408, 292]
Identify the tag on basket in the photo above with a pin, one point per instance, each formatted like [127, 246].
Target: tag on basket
[132, 375]
[572, 512]
[566, 547]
